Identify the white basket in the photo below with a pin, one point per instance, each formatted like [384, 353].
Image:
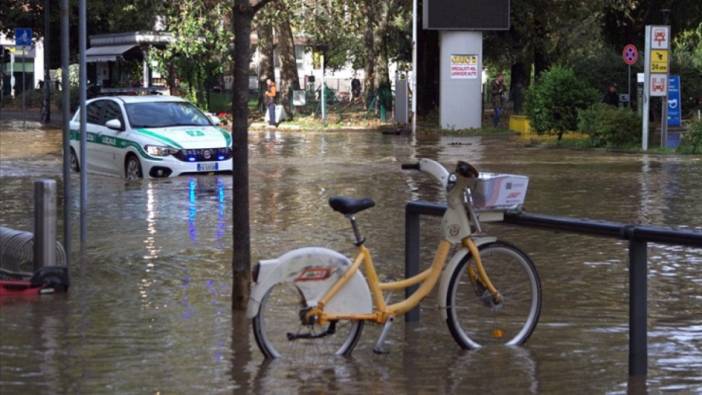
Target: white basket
[499, 191]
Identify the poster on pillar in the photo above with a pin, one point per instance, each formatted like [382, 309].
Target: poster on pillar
[464, 67]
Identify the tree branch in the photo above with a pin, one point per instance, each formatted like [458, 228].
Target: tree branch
[259, 4]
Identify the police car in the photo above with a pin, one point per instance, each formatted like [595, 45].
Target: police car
[150, 136]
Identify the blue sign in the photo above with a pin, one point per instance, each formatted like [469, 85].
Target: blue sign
[23, 37]
[674, 104]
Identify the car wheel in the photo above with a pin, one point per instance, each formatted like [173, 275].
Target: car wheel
[74, 161]
[132, 168]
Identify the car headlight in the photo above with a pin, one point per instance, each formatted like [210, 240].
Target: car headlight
[157, 150]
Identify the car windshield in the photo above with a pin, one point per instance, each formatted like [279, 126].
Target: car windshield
[163, 114]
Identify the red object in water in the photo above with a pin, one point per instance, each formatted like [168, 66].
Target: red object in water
[19, 288]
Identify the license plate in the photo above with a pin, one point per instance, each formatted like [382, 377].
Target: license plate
[210, 166]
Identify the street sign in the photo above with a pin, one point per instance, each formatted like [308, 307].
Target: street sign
[464, 67]
[630, 54]
[674, 105]
[659, 84]
[660, 37]
[23, 37]
[659, 61]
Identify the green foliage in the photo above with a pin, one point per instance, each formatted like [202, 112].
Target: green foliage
[603, 66]
[553, 102]
[687, 62]
[691, 142]
[609, 126]
[201, 48]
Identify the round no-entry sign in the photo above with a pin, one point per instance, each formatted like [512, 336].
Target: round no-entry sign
[630, 54]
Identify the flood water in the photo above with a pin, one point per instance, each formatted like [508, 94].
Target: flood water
[149, 306]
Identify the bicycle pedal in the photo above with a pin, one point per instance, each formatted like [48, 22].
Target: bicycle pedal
[378, 348]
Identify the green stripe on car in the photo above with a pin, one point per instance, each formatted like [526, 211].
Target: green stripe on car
[161, 137]
[113, 142]
[227, 136]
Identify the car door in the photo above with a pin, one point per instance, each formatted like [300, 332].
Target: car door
[113, 151]
[95, 155]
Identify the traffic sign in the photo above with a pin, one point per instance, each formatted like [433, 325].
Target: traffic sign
[659, 84]
[630, 54]
[659, 61]
[660, 37]
[23, 37]
[674, 105]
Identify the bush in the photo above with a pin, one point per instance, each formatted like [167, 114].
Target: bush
[57, 97]
[609, 126]
[553, 102]
[691, 142]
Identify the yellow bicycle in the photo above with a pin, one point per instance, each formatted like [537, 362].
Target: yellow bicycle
[314, 300]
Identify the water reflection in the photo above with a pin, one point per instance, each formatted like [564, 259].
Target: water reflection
[202, 191]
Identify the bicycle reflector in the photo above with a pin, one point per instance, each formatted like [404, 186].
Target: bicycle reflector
[498, 333]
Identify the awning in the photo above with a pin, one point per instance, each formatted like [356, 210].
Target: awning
[106, 53]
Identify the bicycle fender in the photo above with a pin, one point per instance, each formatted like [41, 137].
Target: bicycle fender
[313, 270]
[449, 269]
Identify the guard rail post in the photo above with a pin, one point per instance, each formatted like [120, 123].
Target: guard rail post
[638, 290]
[44, 224]
[411, 256]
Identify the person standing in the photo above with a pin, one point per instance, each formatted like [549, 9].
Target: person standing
[270, 101]
[611, 97]
[498, 90]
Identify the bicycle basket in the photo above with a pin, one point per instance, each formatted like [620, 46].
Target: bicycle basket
[499, 191]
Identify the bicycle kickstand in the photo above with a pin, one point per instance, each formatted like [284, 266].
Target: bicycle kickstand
[378, 348]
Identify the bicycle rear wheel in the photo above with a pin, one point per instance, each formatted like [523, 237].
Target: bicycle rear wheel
[280, 331]
[474, 319]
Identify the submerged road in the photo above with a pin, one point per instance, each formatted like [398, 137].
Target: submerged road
[149, 307]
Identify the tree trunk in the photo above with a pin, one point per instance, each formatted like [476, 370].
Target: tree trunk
[289, 79]
[518, 83]
[241, 261]
[369, 82]
[266, 67]
[171, 79]
[427, 72]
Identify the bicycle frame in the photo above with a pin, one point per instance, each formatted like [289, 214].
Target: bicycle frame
[382, 312]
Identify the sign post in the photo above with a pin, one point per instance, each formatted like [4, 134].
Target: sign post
[23, 39]
[656, 68]
[630, 54]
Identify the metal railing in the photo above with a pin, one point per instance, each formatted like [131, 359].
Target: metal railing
[638, 236]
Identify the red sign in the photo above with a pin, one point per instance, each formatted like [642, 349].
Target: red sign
[314, 273]
[630, 54]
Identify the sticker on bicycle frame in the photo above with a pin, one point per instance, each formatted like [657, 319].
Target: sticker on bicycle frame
[314, 273]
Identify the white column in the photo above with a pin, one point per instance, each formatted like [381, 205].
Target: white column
[461, 77]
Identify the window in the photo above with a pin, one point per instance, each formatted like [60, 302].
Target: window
[94, 111]
[111, 111]
[165, 114]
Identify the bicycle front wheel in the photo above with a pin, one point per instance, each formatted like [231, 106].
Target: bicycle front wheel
[474, 318]
[280, 331]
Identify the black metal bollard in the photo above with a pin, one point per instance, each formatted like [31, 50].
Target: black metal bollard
[638, 326]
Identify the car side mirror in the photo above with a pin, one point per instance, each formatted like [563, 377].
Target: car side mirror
[114, 124]
[214, 119]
